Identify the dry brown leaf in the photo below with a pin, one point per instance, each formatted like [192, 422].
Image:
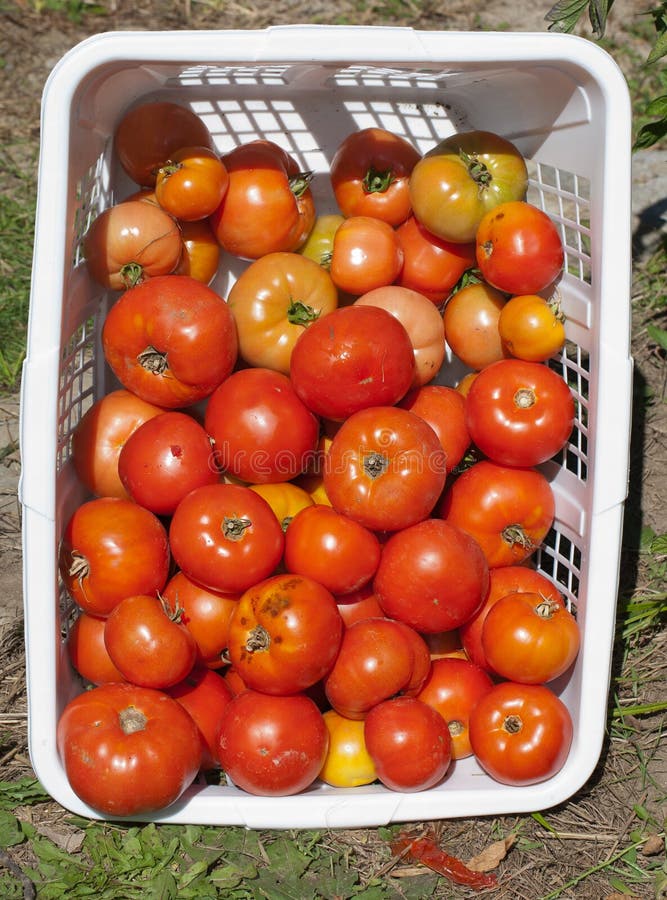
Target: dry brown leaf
[654, 844]
[492, 855]
[621, 897]
[69, 841]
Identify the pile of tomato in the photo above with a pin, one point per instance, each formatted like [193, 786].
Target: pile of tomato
[301, 556]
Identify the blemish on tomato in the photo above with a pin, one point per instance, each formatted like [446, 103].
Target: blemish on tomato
[176, 451]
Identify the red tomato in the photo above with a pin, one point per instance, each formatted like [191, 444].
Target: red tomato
[100, 436]
[530, 639]
[205, 695]
[331, 548]
[421, 660]
[273, 301]
[471, 319]
[261, 429]
[201, 252]
[268, 205]
[147, 136]
[520, 733]
[452, 688]
[171, 340]
[443, 408]
[385, 468]
[503, 580]
[431, 265]
[519, 248]
[519, 413]
[421, 320]
[375, 662]
[370, 172]
[507, 510]
[112, 548]
[164, 459]
[366, 254]
[206, 615]
[130, 243]
[191, 184]
[409, 744]
[350, 359]
[461, 178]
[87, 652]
[284, 634]
[359, 604]
[225, 537]
[272, 746]
[432, 575]
[148, 643]
[128, 750]
[531, 327]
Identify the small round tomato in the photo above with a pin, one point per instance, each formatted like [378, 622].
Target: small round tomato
[205, 695]
[350, 359]
[331, 548]
[471, 319]
[370, 172]
[452, 688]
[285, 499]
[508, 510]
[385, 468]
[206, 614]
[87, 652]
[112, 548]
[268, 205]
[100, 436]
[531, 327]
[431, 265]
[147, 135]
[284, 634]
[128, 750]
[421, 320]
[375, 661]
[273, 301]
[272, 746]
[171, 340]
[225, 537]
[131, 242]
[409, 743]
[319, 243]
[432, 576]
[503, 580]
[261, 430]
[520, 733]
[366, 255]
[201, 252]
[443, 408]
[190, 185]
[529, 638]
[461, 178]
[519, 413]
[519, 248]
[164, 459]
[148, 643]
[347, 763]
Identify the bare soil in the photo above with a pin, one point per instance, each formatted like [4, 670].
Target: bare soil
[597, 822]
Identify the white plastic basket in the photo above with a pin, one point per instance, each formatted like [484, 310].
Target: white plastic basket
[565, 104]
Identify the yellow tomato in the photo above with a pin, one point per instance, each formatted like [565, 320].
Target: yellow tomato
[312, 481]
[531, 327]
[348, 763]
[285, 499]
[319, 243]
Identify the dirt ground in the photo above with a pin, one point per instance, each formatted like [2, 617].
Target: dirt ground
[32, 42]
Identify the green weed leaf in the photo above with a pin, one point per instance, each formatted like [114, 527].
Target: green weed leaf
[23, 792]
[11, 832]
[659, 335]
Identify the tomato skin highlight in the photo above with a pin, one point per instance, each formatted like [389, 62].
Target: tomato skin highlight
[520, 733]
[128, 750]
[272, 746]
